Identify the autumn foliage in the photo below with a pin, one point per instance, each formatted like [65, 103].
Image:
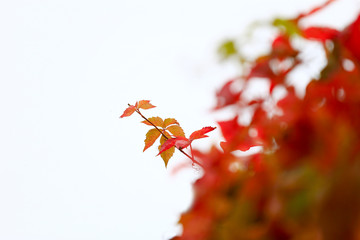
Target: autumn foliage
[171, 134]
[304, 182]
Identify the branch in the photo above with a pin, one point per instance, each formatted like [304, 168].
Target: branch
[182, 151]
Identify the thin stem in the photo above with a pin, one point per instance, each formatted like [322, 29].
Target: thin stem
[192, 158]
[182, 151]
[192, 155]
[151, 124]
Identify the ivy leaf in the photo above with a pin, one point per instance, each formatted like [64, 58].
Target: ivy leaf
[181, 142]
[176, 130]
[236, 136]
[157, 121]
[168, 153]
[151, 137]
[230, 128]
[178, 142]
[170, 121]
[144, 104]
[201, 133]
[129, 111]
[169, 143]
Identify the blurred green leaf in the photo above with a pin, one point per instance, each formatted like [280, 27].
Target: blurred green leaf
[227, 49]
[288, 26]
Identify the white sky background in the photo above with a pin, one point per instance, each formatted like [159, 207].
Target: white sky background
[69, 167]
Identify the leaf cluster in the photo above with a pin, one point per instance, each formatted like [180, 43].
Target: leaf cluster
[168, 130]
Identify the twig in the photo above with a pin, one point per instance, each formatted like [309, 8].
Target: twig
[182, 151]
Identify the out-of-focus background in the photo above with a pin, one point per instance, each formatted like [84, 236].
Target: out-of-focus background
[69, 167]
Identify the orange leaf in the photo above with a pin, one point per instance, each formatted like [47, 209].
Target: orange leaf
[166, 154]
[129, 111]
[170, 121]
[176, 130]
[201, 133]
[157, 121]
[151, 137]
[144, 104]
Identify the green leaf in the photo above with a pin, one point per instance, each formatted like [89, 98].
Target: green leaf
[227, 49]
[289, 27]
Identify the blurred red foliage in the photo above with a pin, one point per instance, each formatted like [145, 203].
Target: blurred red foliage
[305, 182]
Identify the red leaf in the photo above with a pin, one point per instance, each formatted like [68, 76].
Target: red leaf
[168, 144]
[261, 68]
[182, 142]
[243, 145]
[320, 33]
[351, 38]
[129, 111]
[201, 133]
[236, 136]
[230, 128]
[281, 48]
[226, 95]
[178, 142]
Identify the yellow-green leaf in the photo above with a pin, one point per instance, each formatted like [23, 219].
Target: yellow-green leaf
[227, 49]
[157, 121]
[176, 130]
[289, 26]
[151, 137]
[170, 121]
